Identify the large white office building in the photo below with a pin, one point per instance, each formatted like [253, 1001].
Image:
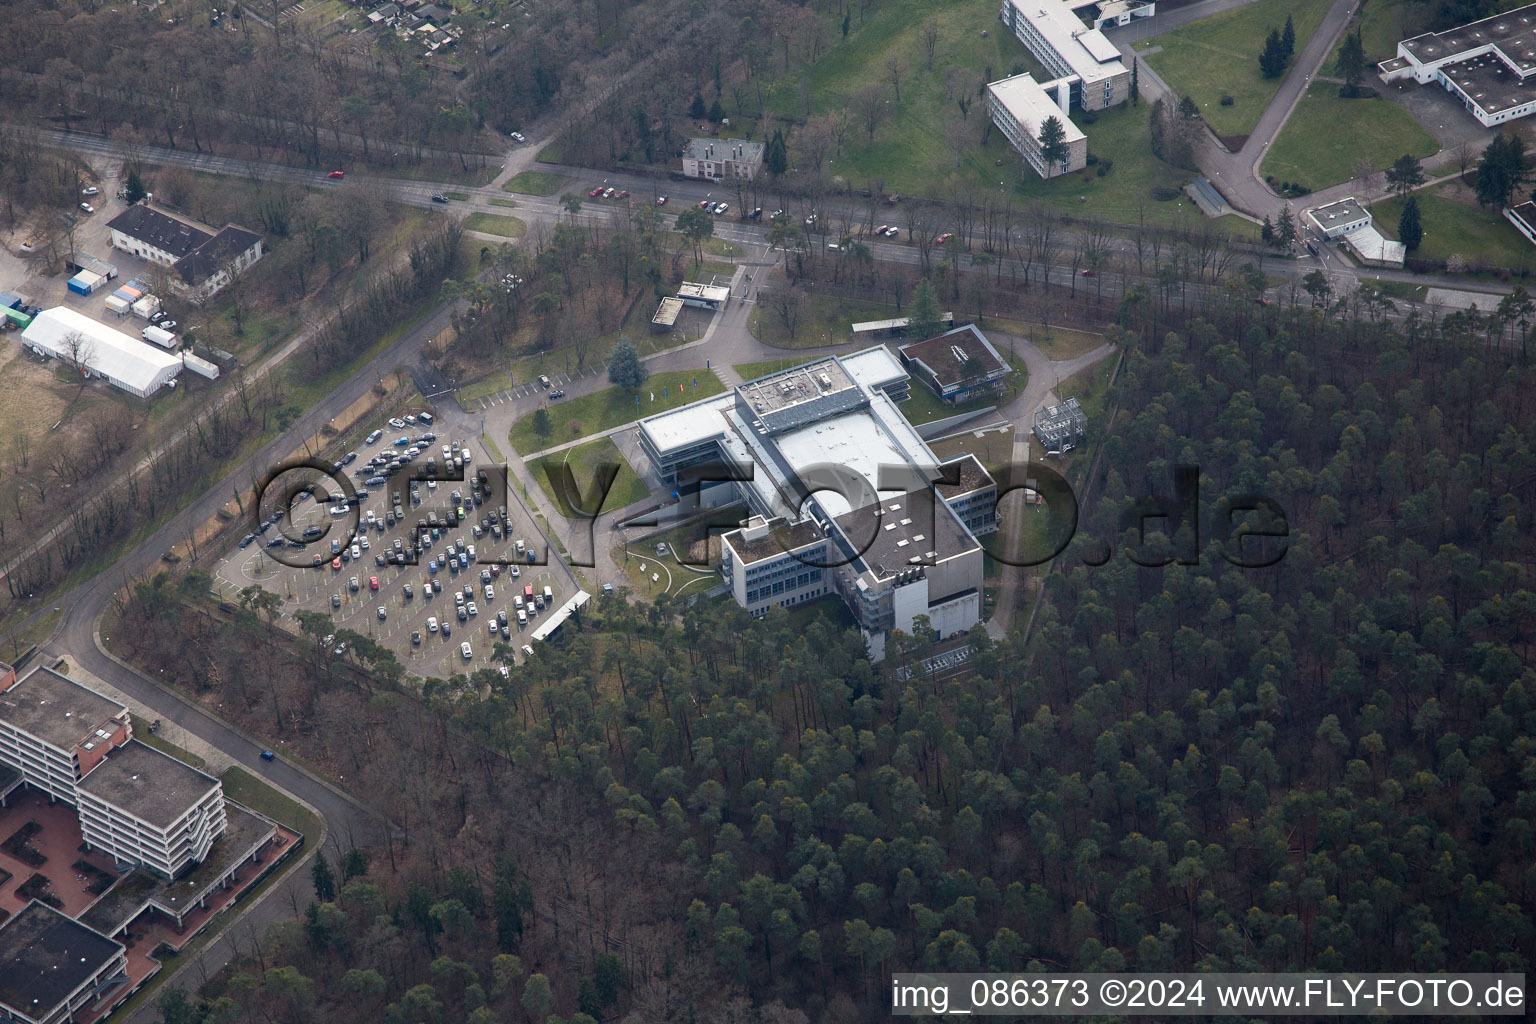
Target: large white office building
[1019, 107]
[844, 496]
[1089, 72]
[1488, 65]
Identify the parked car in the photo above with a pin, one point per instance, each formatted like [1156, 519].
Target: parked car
[466, 651]
[90, 190]
[661, 200]
[556, 395]
[518, 137]
[720, 208]
[337, 174]
[373, 437]
[87, 207]
[892, 232]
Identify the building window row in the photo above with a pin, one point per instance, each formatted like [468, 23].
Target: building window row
[799, 582]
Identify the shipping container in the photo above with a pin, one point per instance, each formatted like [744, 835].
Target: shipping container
[85, 282]
[200, 366]
[146, 307]
[117, 304]
[165, 339]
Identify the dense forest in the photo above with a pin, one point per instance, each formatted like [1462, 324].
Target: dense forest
[1326, 763]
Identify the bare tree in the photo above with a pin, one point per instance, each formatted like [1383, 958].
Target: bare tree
[78, 352]
[815, 140]
[930, 37]
[1464, 156]
[1365, 171]
[894, 69]
[1042, 239]
[789, 306]
[870, 104]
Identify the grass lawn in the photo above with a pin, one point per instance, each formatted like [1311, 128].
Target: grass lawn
[925, 140]
[149, 739]
[612, 407]
[462, 197]
[1219, 56]
[1483, 237]
[1402, 290]
[925, 407]
[584, 461]
[826, 322]
[496, 224]
[509, 203]
[535, 183]
[1378, 130]
[244, 788]
[1056, 342]
[1383, 24]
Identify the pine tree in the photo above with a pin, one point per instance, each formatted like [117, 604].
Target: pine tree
[925, 319]
[1409, 231]
[625, 369]
[134, 189]
[1272, 59]
[847, 21]
[1267, 231]
[696, 109]
[324, 878]
[1135, 83]
[1352, 63]
[1285, 227]
[1053, 144]
[716, 111]
[1405, 174]
[1288, 38]
[776, 158]
[1503, 169]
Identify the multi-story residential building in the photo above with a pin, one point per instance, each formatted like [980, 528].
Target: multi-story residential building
[53, 967]
[204, 260]
[54, 731]
[1019, 108]
[715, 160]
[135, 803]
[147, 808]
[1488, 65]
[1089, 71]
[843, 495]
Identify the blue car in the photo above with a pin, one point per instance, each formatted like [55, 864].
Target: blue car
[432, 566]
[267, 755]
[401, 442]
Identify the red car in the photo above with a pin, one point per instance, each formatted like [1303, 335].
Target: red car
[595, 192]
[661, 200]
[946, 236]
[336, 564]
[623, 194]
[705, 204]
[336, 174]
[373, 583]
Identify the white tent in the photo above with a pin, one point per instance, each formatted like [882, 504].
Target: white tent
[124, 361]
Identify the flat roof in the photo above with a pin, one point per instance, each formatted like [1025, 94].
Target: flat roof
[890, 325]
[1345, 211]
[797, 385]
[973, 476]
[58, 710]
[723, 149]
[689, 424]
[708, 292]
[907, 530]
[1031, 106]
[45, 956]
[855, 441]
[874, 368]
[1513, 33]
[1488, 82]
[667, 312]
[152, 786]
[777, 537]
[1524, 212]
[938, 355]
[1087, 51]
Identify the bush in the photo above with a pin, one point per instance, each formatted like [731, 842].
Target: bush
[1226, 100]
[1105, 166]
[1092, 159]
[1089, 117]
[1163, 193]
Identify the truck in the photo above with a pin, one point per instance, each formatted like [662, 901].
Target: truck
[157, 336]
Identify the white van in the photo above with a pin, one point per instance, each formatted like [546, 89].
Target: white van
[549, 596]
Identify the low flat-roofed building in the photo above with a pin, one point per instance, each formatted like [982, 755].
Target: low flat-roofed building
[1489, 65]
[147, 808]
[958, 365]
[705, 296]
[53, 731]
[893, 327]
[1019, 107]
[974, 494]
[667, 313]
[1523, 217]
[52, 967]
[1350, 222]
[1340, 217]
[121, 360]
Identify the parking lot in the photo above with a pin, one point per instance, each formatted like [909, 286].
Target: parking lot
[314, 559]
